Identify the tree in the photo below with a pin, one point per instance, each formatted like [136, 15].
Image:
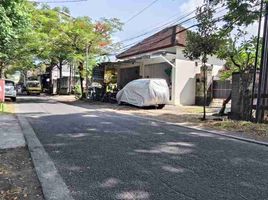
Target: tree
[89, 41]
[14, 23]
[240, 57]
[55, 49]
[202, 43]
[239, 13]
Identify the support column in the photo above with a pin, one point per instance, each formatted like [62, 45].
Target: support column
[175, 98]
[142, 70]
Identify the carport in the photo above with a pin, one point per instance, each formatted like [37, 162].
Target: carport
[157, 65]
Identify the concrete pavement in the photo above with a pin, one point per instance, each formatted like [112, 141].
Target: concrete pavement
[10, 132]
[106, 155]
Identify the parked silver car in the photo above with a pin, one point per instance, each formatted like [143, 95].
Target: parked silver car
[145, 92]
[10, 91]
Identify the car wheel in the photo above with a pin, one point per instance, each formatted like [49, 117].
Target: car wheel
[14, 99]
[160, 106]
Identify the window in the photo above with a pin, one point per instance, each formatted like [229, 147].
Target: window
[33, 84]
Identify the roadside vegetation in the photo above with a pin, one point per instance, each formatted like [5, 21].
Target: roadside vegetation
[37, 38]
[7, 108]
[259, 130]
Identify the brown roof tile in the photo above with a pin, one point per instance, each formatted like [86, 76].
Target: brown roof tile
[168, 37]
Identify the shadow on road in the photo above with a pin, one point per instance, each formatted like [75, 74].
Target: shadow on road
[104, 155]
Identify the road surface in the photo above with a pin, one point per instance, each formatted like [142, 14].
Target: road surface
[103, 155]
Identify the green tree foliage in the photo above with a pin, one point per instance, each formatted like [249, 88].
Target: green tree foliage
[89, 41]
[203, 42]
[239, 12]
[14, 23]
[240, 57]
[32, 36]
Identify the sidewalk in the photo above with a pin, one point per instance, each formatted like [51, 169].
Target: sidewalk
[18, 179]
[10, 132]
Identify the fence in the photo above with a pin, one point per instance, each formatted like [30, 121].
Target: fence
[221, 89]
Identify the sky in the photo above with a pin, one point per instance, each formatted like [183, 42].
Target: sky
[158, 14]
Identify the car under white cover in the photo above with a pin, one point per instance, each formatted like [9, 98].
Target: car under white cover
[145, 92]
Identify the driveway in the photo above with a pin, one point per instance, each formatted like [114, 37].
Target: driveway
[104, 155]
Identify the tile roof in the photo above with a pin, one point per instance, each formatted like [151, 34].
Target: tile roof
[168, 37]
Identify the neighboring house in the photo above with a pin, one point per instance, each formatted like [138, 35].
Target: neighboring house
[66, 83]
[161, 56]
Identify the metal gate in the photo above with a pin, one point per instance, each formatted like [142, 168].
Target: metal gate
[221, 89]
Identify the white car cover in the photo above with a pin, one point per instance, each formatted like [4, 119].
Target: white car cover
[144, 92]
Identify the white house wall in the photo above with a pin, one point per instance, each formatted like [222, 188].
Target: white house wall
[183, 77]
[184, 82]
[65, 72]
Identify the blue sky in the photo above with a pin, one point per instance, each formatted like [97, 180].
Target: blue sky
[161, 12]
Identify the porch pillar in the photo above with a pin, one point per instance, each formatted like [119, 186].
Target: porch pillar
[142, 70]
[175, 95]
[118, 77]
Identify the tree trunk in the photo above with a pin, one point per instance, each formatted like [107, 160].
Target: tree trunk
[60, 68]
[205, 91]
[225, 102]
[1, 69]
[245, 108]
[70, 80]
[1, 72]
[52, 65]
[81, 69]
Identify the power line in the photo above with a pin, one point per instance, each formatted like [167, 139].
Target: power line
[216, 20]
[156, 28]
[185, 29]
[170, 23]
[141, 11]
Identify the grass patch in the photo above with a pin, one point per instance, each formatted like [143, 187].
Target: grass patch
[7, 108]
[240, 126]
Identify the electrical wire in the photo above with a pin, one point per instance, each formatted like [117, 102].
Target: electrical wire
[156, 28]
[167, 24]
[179, 23]
[141, 11]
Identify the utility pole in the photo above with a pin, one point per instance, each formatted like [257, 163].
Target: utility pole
[263, 76]
[256, 63]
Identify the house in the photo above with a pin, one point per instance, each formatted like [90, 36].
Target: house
[161, 56]
[58, 85]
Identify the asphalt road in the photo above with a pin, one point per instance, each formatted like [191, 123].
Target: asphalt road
[104, 156]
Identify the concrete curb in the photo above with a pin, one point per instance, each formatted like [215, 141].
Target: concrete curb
[53, 186]
[215, 132]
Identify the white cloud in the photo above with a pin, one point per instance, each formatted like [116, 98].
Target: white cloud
[190, 5]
